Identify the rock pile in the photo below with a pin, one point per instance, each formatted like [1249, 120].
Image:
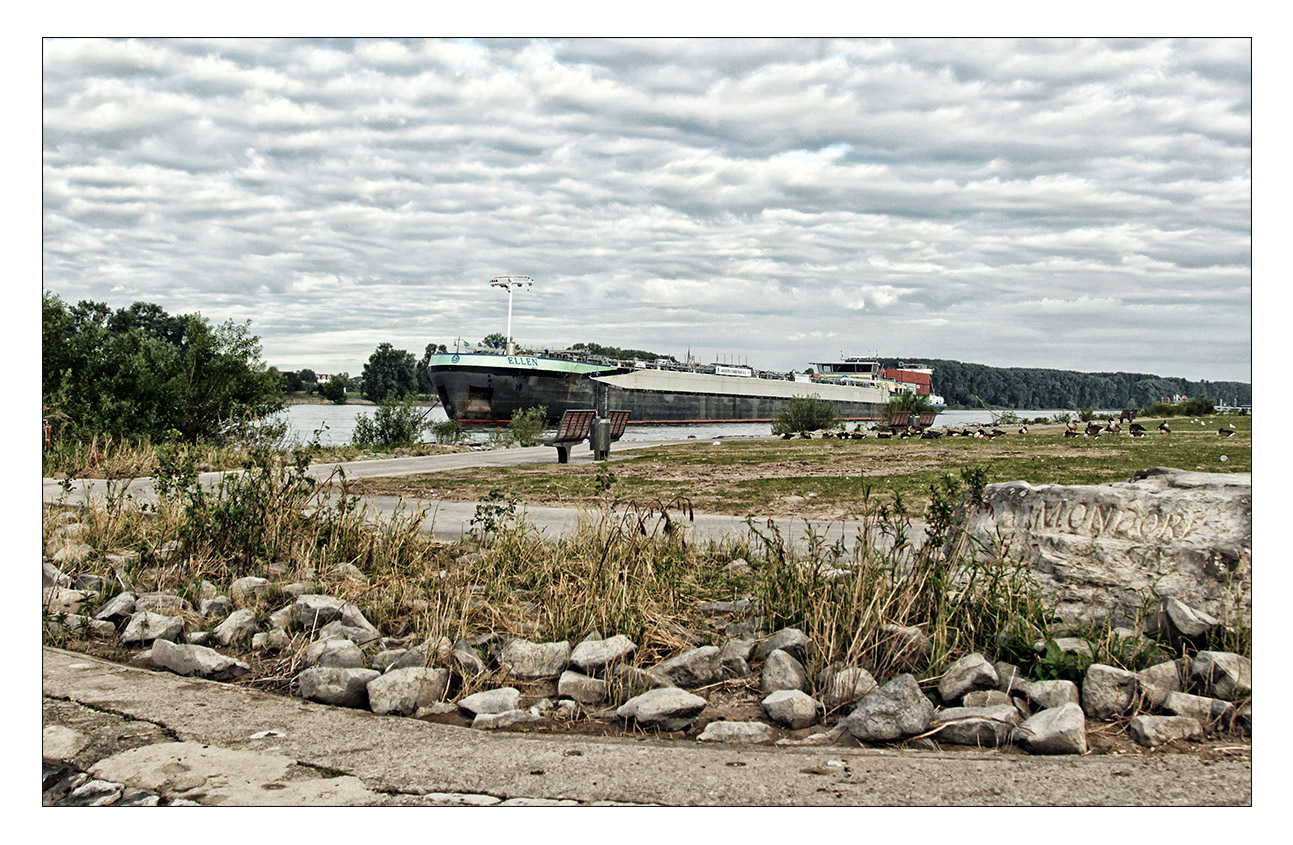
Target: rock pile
[501, 681]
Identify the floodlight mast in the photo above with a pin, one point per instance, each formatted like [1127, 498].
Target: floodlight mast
[510, 282]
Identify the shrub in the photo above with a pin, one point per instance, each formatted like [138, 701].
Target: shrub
[447, 431]
[912, 402]
[804, 413]
[525, 426]
[394, 424]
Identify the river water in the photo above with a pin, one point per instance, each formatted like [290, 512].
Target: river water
[335, 424]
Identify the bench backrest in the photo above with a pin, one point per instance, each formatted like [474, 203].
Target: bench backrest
[575, 425]
[900, 418]
[927, 418]
[619, 421]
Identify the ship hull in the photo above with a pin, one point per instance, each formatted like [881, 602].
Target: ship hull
[481, 389]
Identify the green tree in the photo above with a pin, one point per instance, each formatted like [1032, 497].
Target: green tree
[496, 340]
[395, 424]
[142, 372]
[390, 372]
[424, 367]
[291, 382]
[334, 390]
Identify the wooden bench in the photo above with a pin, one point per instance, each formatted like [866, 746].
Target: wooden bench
[926, 419]
[574, 427]
[619, 421]
[899, 420]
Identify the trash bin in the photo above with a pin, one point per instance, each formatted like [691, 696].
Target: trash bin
[601, 439]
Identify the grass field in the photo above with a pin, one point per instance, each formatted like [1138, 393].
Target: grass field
[825, 478]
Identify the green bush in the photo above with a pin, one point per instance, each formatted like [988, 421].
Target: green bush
[904, 402]
[804, 413]
[526, 425]
[447, 431]
[395, 424]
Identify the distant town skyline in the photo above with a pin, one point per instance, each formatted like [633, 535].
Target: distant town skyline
[1068, 204]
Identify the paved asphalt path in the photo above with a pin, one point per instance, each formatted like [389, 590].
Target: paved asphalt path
[450, 520]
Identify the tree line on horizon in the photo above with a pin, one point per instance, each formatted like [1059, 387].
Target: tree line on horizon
[966, 385]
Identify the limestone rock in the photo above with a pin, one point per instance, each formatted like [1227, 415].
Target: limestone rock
[667, 708]
[987, 698]
[695, 667]
[198, 661]
[216, 606]
[402, 692]
[1175, 621]
[507, 719]
[1221, 674]
[434, 651]
[791, 707]
[896, 710]
[314, 610]
[1047, 694]
[341, 687]
[528, 661]
[52, 577]
[738, 732]
[492, 701]
[781, 671]
[145, 627]
[1059, 730]
[117, 608]
[334, 653]
[1155, 682]
[1107, 692]
[970, 673]
[1097, 548]
[56, 600]
[237, 626]
[1152, 731]
[790, 640]
[582, 688]
[1011, 679]
[249, 587]
[734, 655]
[81, 625]
[166, 604]
[383, 660]
[846, 686]
[282, 618]
[596, 655]
[1212, 714]
[982, 727]
[467, 661]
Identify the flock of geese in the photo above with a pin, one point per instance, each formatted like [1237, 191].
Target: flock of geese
[1072, 429]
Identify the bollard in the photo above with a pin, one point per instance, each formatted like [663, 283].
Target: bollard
[600, 439]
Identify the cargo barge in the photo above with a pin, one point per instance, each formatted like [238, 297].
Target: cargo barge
[487, 387]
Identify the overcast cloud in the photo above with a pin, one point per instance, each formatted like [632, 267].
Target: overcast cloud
[1072, 204]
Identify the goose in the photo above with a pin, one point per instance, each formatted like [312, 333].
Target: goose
[1071, 433]
[996, 432]
[1137, 429]
[1225, 432]
[1072, 426]
[1164, 428]
[1023, 429]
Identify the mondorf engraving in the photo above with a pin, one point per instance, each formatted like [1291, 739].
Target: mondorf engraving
[1103, 550]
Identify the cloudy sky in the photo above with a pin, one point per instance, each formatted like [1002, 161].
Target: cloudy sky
[1074, 204]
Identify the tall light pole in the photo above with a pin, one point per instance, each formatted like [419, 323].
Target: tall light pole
[510, 282]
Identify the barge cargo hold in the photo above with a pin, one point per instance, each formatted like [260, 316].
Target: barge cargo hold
[485, 387]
